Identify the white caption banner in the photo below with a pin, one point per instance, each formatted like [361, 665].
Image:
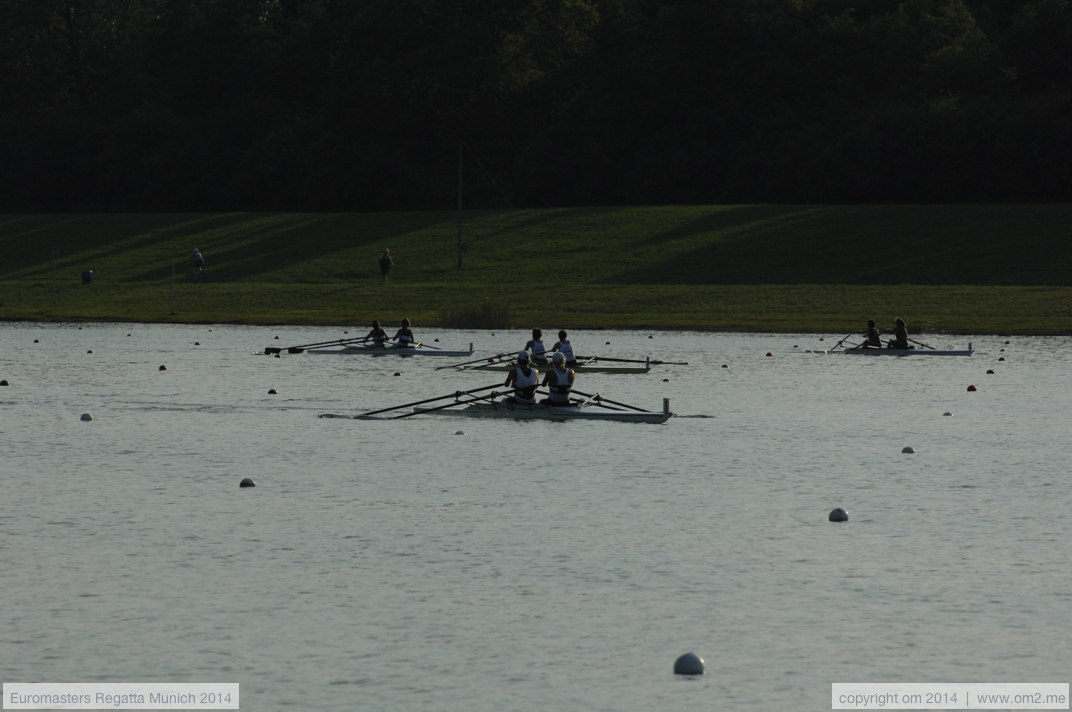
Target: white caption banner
[120, 696]
[949, 696]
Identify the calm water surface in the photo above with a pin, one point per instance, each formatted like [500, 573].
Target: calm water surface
[401, 565]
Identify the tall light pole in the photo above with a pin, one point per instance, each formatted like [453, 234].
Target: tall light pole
[461, 249]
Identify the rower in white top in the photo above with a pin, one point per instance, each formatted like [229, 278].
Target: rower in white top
[563, 346]
[524, 379]
[535, 347]
[559, 381]
[404, 338]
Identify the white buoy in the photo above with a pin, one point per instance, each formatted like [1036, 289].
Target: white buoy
[86, 417]
[838, 515]
[689, 664]
[908, 450]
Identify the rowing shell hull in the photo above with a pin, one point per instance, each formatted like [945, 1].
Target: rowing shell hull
[587, 368]
[518, 411]
[909, 352]
[389, 351]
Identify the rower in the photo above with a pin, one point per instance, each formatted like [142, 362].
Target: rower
[536, 348]
[404, 337]
[559, 381]
[872, 337]
[524, 379]
[563, 346]
[900, 335]
[378, 335]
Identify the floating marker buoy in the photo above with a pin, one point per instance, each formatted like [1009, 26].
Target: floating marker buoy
[277, 355]
[1001, 358]
[197, 343]
[162, 368]
[397, 373]
[3, 383]
[947, 413]
[36, 341]
[689, 664]
[277, 337]
[990, 372]
[650, 336]
[821, 339]
[271, 392]
[666, 380]
[838, 515]
[725, 366]
[607, 344]
[128, 334]
[795, 346]
[86, 417]
[1001, 351]
[972, 389]
[90, 351]
[908, 450]
[436, 341]
[460, 432]
[247, 483]
[769, 353]
[1008, 342]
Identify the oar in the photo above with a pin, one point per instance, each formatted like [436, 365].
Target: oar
[476, 360]
[427, 346]
[634, 360]
[340, 342]
[607, 400]
[474, 399]
[279, 349]
[456, 394]
[923, 344]
[838, 344]
[582, 403]
[301, 347]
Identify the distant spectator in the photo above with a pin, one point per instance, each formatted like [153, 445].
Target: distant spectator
[386, 263]
[197, 265]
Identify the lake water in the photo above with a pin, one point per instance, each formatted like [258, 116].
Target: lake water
[401, 565]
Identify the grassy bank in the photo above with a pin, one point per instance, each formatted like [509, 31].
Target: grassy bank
[967, 269]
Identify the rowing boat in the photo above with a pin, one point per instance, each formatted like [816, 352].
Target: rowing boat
[590, 367]
[404, 351]
[876, 351]
[538, 411]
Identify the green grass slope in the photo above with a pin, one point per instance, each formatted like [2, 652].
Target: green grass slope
[971, 268]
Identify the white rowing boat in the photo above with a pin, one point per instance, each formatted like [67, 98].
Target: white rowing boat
[583, 411]
[587, 367]
[876, 351]
[404, 351]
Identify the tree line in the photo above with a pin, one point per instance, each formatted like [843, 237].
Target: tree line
[361, 105]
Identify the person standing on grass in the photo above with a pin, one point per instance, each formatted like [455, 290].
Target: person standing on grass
[386, 263]
[197, 265]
